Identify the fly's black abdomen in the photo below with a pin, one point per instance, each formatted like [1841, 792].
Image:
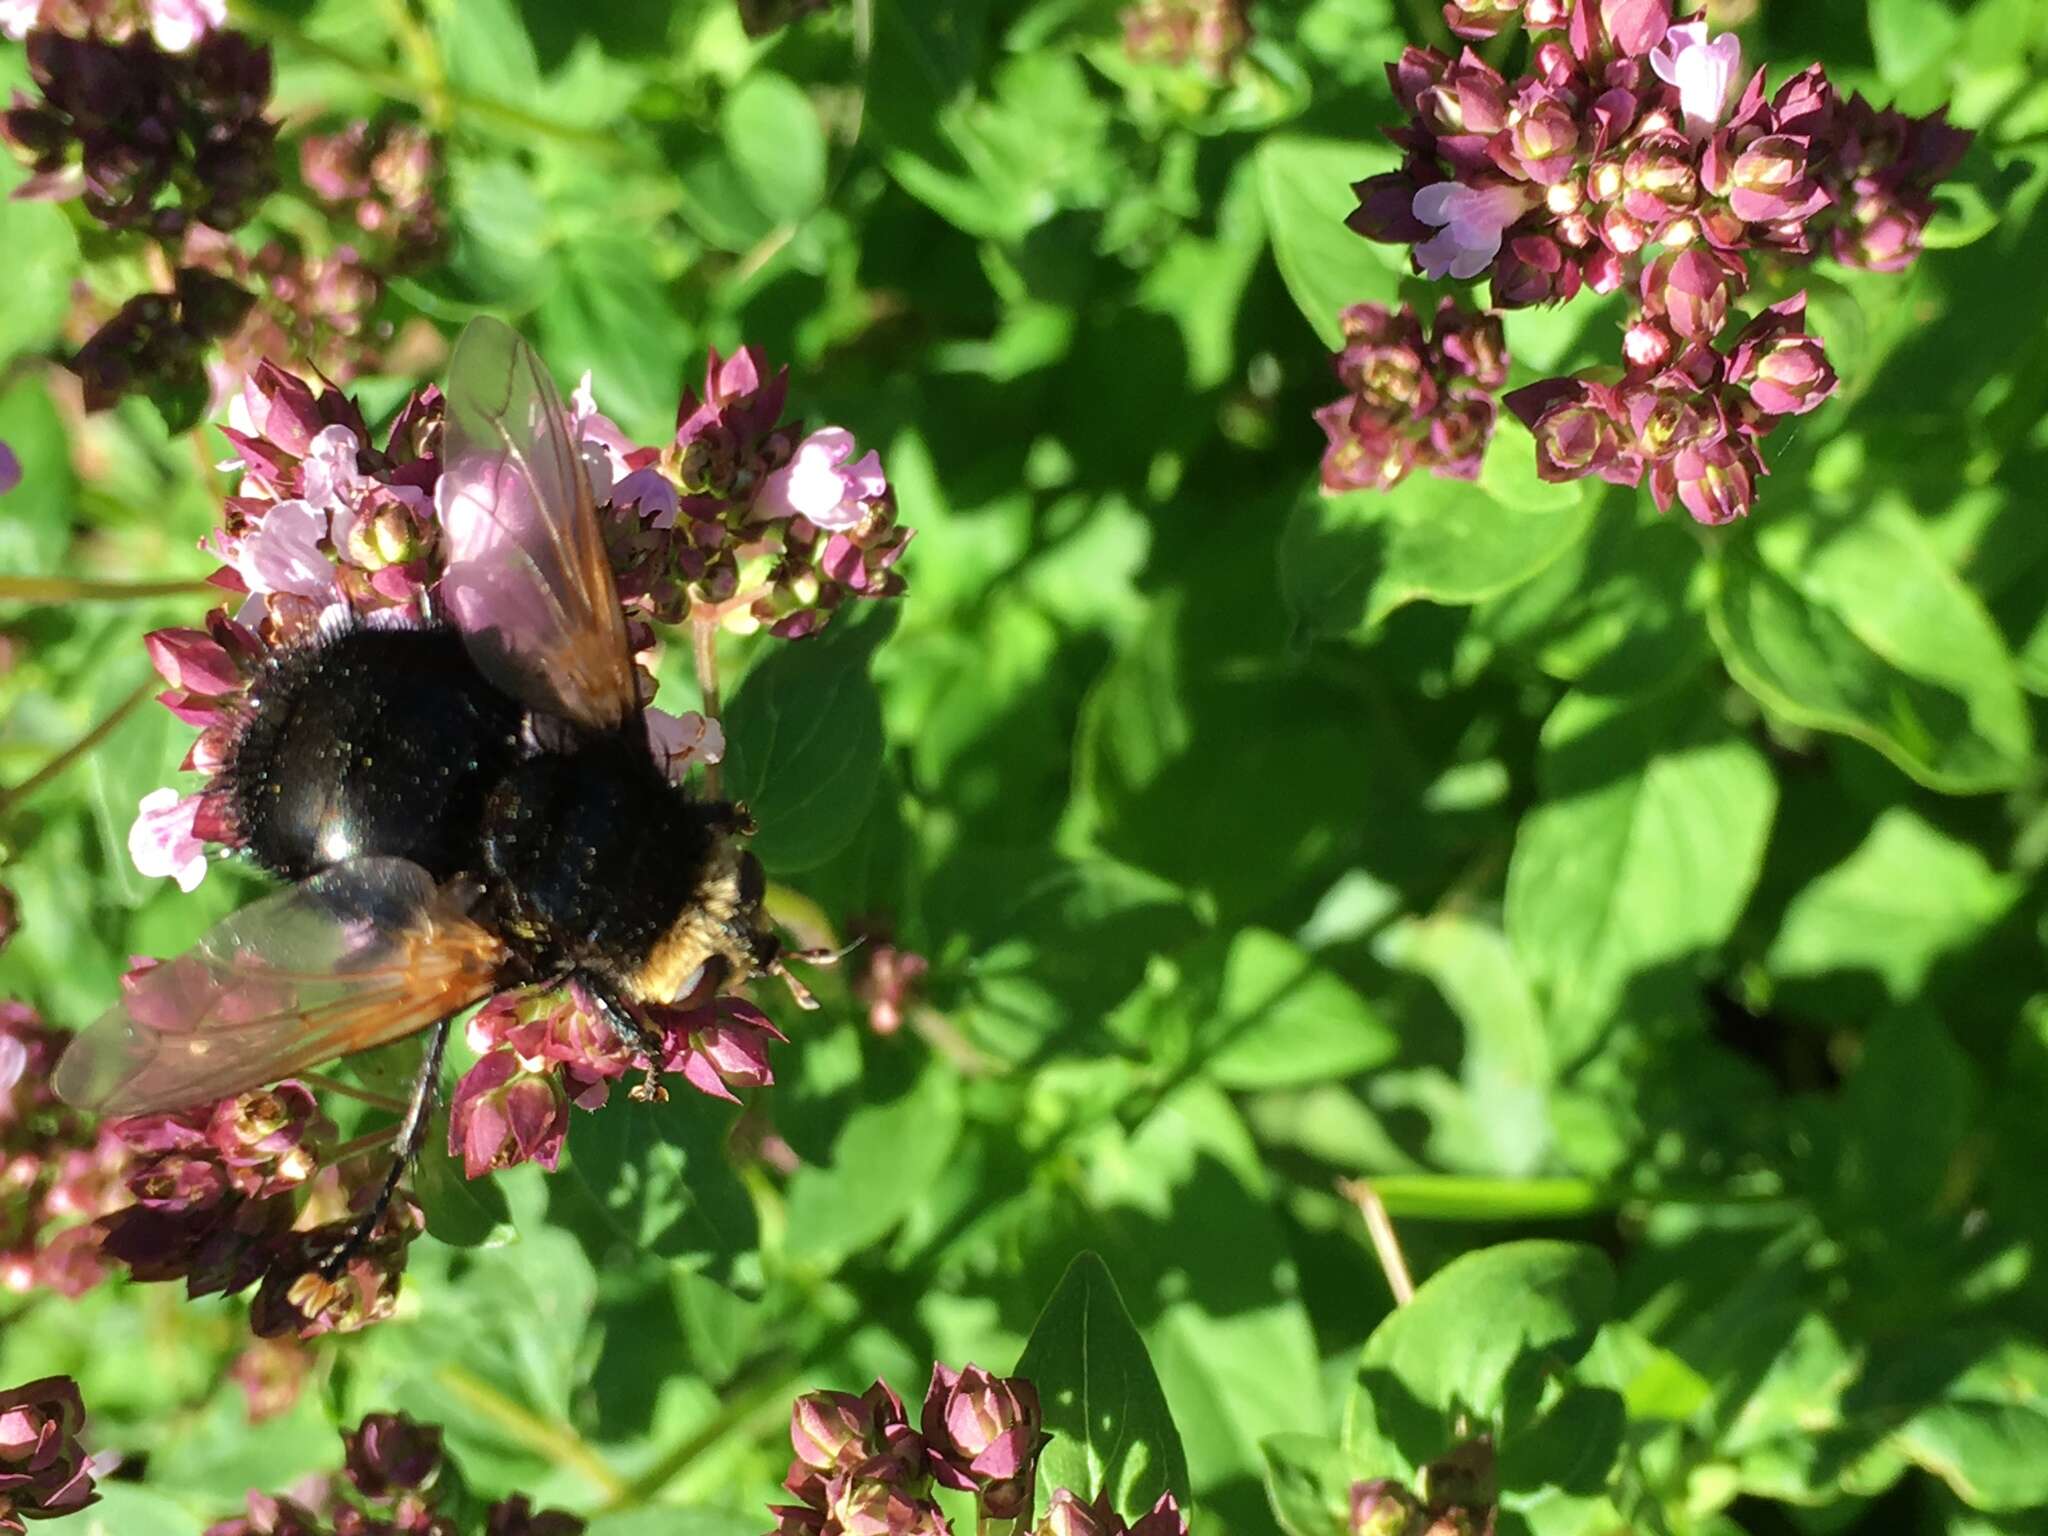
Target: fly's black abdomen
[591, 855]
[372, 741]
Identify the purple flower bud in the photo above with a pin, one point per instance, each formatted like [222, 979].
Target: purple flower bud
[1363, 452]
[10, 469]
[1383, 1507]
[1784, 368]
[1768, 181]
[1069, 1514]
[1162, 1519]
[867, 1507]
[504, 1114]
[1385, 210]
[1692, 289]
[1577, 426]
[1469, 346]
[983, 1433]
[1480, 19]
[44, 1471]
[1542, 138]
[1714, 483]
[1534, 269]
[390, 1453]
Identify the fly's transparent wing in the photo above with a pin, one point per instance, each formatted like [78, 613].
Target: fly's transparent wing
[527, 581]
[360, 954]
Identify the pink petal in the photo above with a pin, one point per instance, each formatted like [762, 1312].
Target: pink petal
[682, 741]
[1433, 204]
[282, 553]
[162, 843]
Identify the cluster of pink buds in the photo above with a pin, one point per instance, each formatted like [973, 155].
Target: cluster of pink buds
[1454, 1495]
[538, 1053]
[44, 1471]
[1629, 145]
[224, 1196]
[395, 1480]
[1413, 402]
[743, 519]
[174, 24]
[861, 1467]
[383, 177]
[56, 1171]
[1206, 34]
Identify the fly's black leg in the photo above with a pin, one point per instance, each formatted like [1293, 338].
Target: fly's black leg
[637, 1035]
[412, 1136]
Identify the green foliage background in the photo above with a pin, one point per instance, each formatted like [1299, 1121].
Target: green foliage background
[1654, 914]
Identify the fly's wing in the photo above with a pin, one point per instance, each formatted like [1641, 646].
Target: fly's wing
[526, 580]
[361, 954]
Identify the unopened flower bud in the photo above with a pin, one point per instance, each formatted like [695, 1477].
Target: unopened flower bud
[983, 1434]
[1382, 1507]
[389, 1453]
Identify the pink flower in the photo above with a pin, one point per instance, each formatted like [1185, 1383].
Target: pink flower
[162, 842]
[10, 470]
[1704, 72]
[682, 741]
[818, 483]
[1472, 221]
[178, 24]
[603, 446]
[283, 554]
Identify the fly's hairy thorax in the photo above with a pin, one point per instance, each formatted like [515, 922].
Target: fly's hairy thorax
[370, 742]
[596, 863]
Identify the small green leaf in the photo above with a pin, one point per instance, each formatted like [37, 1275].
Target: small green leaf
[1644, 849]
[1859, 627]
[1986, 1435]
[128, 1509]
[1111, 1429]
[658, 1181]
[1282, 1019]
[1308, 1485]
[772, 133]
[1347, 561]
[804, 744]
[1452, 1349]
[1306, 187]
[1903, 899]
[885, 1161]
[465, 1213]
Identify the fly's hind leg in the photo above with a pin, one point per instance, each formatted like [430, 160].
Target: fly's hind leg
[412, 1138]
[637, 1035]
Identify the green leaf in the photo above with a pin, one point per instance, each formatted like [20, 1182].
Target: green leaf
[463, 1212]
[1644, 849]
[610, 316]
[486, 49]
[1283, 1019]
[1111, 1429]
[1858, 627]
[35, 517]
[883, 1164]
[1470, 1326]
[804, 744]
[42, 259]
[1347, 561]
[1894, 907]
[1571, 1447]
[658, 1180]
[772, 133]
[1306, 186]
[1911, 36]
[501, 246]
[1987, 1434]
[1308, 1484]
[128, 1509]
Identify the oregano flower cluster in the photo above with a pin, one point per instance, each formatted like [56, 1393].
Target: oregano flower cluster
[1414, 402]
[861, 1467]
[1626, 158]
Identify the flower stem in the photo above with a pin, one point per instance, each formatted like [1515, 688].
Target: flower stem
[369, 1141]
[772, 1391]
[704, 652]
[55, 767]
[555, 1442]
[66, 589]
[328, 1084]
[1385, 1242]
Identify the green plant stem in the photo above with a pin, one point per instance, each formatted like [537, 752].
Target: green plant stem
[56, 766]
[555, 1442]
[772, 1391]
[68, 589]
[328, 1084]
